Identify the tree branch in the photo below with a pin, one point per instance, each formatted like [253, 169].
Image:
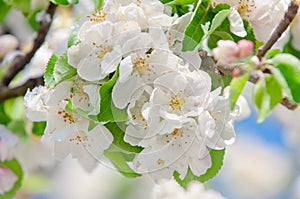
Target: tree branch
[7, 93]
[283, 25]
[222, 68]
[20, 61]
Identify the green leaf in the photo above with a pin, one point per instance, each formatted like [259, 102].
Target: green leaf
[61, 2]
[98, 3]
[4, 118]
[120, 151]
[22, 5]
[217, 157]
[38, 128]
[267, 94]
[216, 36]
[289, 67]
[32, 20]
[180, 2]
[73, 39]
[118, 132]
[108, 111]
[4, 9]
[204, 22]
[48, 76]
[15, 167]
[272, 52]
[14, 108]
[281, 80]
[236, 88]
[62, 70]
[18, 127]
[120, 163]
[288, 48]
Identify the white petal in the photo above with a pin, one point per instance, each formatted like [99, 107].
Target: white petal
[236, 23]
[122, 93]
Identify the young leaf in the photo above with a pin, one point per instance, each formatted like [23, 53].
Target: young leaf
[288, 48]
[180, 2]
[4, 9]
[117, 130]
[61, 2]
[15, 167]
[38, 128]
[62, 70]
[204, 15]
[4, 118]
[194, 32]
[14, 108]
[108, 111]
[73, 39]
[289, 67]
[217, 157]
[22, 5]
[272, 52]
[236, 88]
[120, 151]
[120, 163]
[267, 94]
[98, 3]
[48, 76]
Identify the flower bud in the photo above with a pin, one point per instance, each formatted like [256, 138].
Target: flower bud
[246, 48]
[226, 51]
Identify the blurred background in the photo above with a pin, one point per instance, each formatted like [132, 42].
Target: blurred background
[264, 162]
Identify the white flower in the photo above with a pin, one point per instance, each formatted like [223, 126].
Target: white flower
[35, 102]
[139, 69]
[7, 142]
[7, 179]
[264, 16]
[170, 189]
[179, 95]
[70, 130]
[146, 13]
[174, 151]
[215, 122]
[97, 54]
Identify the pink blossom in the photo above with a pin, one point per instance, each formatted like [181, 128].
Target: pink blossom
[7, 179]
[246, 48]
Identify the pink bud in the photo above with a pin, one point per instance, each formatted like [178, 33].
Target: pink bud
[226, 51]
[7, 179]
[246, 48]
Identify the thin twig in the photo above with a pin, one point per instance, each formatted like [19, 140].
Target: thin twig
[20, 61]
[283, 25]
[7, 93]
[222, 68]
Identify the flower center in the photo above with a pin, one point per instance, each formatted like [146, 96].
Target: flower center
[246, 7]
[140, 65]
[98, 16]
[176, 102]
[103, 50]
[67, 117]
[79, 138]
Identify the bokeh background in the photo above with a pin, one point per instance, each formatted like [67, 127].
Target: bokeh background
[264, 162]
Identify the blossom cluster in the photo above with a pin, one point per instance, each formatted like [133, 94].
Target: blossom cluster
[172, 113]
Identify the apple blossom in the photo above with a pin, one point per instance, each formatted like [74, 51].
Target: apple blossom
[263, 16]
[8, 142]
[7, 179]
